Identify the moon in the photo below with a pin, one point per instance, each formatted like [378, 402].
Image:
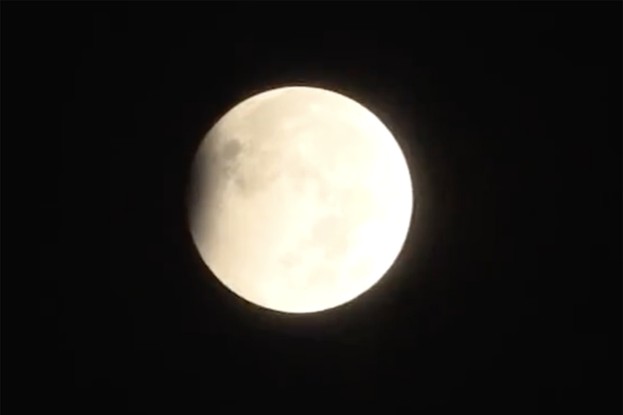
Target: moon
[300, 199]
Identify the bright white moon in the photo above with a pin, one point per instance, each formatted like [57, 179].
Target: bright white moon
[301, 199]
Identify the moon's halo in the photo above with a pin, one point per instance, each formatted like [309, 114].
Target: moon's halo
[300, 199]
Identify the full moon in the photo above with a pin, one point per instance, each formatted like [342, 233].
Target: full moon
[300, 199]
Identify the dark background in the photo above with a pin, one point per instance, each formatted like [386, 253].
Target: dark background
[505, 297]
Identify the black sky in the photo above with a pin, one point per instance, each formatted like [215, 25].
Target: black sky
[505, 297]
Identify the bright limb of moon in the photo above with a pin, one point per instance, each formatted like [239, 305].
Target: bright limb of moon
[301, 199]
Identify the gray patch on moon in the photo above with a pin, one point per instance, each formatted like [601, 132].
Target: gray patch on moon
[228, 155]
[225, 157]
[261, 169]
[231, 149]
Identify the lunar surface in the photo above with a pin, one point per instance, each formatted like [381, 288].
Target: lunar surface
[300, 199]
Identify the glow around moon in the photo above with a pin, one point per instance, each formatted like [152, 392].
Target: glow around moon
[300, 201]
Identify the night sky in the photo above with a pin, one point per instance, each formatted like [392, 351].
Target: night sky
[506, 296]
